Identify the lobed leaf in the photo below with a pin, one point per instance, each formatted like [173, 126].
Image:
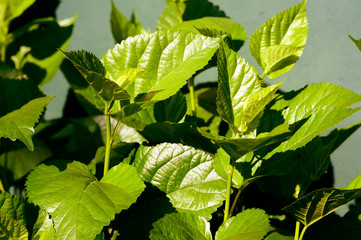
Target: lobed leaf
[185, 174]
[19, 124]
[178, 226]
[78, 203]
[251, 224]
[168, 59]
[278, 43]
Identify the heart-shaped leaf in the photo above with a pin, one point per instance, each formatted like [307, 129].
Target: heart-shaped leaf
[185, 174]
[78, 203]
[19, 124]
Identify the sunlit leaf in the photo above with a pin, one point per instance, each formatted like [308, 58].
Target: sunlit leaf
[78, 203]
[222, 163]
[19, 124]
[185, 174]
[354, 184]
[286, 34]
[251, 224]
[179, 226]
[43, 228]
[122, 27]
[169, 16]
[236, 81]
[356, 41]
[168, 59]
[14, 8]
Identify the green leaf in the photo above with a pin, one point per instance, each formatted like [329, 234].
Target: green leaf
[356, 41]
[179, 226]
[172, 109]
[251, 224]
[354, 184]
[13, 207]
[168, 59]
[255, 103]
[166, 131]
[223, 25]
[238, 147]
[185, 174]
[222, 163]
[78, 204]
[169, 16]
[93, 71]
[318, 204]
[19, 160]
[278, 236]
[236, 81]
[286, 34]
[12, 229]
[43, 228]
[279, 59]
[19, 124]
[14, 8]
[43, 37]
[201, 8]
[92, 97]
[122, 27]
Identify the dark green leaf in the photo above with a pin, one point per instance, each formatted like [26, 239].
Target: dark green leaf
[318, 204]
[168, 59]
[172, 109]
[185, 174]
[251, 224]
[20, 123]
[166, 131]
[179, 226]
[78, 204]
[201, 8]
[14, 8]
[94, 72]
[121, 26]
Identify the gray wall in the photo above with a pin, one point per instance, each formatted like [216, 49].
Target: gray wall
[329, 56]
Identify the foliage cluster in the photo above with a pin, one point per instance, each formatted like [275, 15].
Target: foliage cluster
[143, 153]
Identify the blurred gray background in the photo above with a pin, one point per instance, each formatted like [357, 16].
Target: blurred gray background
[330, 56]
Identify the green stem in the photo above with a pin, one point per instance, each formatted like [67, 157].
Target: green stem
[235, 201]
[115, 131]
[3, 52]
[303, 232]
[297, 230]
[109, 140]
[179, 14]
[193, 96]
[2, 189]
[228, 196]
[263, 75]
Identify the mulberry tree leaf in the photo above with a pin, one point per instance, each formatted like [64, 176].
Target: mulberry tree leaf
[19, 124]
[168, 59]
[77, 202]
[185, 174]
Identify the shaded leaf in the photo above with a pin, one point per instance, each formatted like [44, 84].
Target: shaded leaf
[19, 124]
[78, 204]
[14, 8]
[221, 164]
[168, 59]
[93, 71]
[284, 32]
[238, 147]
[12, 229]
[201, 8]
[251, 224]
[318, 204]
[122, 27]
[185, 174]
[180, 226]
[172, 109]
[278, 236]
[166, 131]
